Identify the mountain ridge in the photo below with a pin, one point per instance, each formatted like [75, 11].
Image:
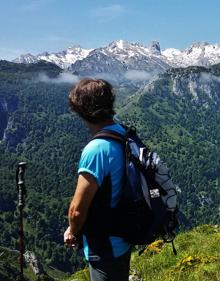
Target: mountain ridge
[200, 53]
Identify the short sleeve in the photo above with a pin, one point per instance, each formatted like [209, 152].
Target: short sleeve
[95, 160]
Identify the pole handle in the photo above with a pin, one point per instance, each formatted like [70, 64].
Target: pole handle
[20, 181]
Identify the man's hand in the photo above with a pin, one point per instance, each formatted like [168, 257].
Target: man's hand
[69, 238]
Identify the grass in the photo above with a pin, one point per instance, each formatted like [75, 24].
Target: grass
[198, 258]
[82, 275]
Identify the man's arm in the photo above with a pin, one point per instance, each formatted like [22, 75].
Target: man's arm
[85, 191]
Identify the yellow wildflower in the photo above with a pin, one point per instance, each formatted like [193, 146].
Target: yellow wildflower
[155, 247]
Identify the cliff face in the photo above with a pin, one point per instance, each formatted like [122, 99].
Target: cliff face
[200, 85]
[7, 107]
[203, 87]
[3, 116]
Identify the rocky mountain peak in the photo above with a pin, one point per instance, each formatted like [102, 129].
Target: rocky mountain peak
[26, 58]
[76, 46]
[45, 54]
[199, 45]
[155, 48]
[196, 47]
[119, 44]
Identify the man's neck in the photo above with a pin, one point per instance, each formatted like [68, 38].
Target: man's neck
[94, 128]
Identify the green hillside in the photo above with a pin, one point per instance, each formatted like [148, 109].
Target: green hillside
[198, 259]
[177, 114]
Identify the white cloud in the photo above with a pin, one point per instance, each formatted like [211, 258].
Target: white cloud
[108, 12]
[138, 75]
[216, 78]
[32, 5]
[64, 77]
[106, 76]
[208, 78]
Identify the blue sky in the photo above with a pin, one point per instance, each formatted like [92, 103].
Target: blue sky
[34, 26]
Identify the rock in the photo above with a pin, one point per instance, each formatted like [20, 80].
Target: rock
[155, 48]
[135, 276]
[31, 259]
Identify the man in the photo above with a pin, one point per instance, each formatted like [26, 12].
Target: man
[100, 180]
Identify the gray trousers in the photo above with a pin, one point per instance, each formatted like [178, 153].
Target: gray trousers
[115, 269]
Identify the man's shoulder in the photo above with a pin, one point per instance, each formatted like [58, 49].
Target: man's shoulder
[95, 147]
[99, 143]
[102, 145]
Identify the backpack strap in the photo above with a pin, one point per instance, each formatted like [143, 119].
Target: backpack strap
[108, 134]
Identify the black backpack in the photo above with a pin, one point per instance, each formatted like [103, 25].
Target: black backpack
[148, 205]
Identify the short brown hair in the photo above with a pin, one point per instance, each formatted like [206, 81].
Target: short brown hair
[92, 100]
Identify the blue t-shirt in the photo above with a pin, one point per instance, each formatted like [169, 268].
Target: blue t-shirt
[100, 158]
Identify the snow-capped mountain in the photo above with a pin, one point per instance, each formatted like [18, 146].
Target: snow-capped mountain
[198, 54]
[122, 60]
[136, 56]
[63, 59]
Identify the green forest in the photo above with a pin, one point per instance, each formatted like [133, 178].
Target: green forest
[36, 126]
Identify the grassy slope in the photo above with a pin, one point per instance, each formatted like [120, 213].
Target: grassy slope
[198, 258]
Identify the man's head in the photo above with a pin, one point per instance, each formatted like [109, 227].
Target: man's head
[93, 100]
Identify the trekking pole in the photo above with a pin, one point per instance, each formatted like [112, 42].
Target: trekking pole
[20, 182]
